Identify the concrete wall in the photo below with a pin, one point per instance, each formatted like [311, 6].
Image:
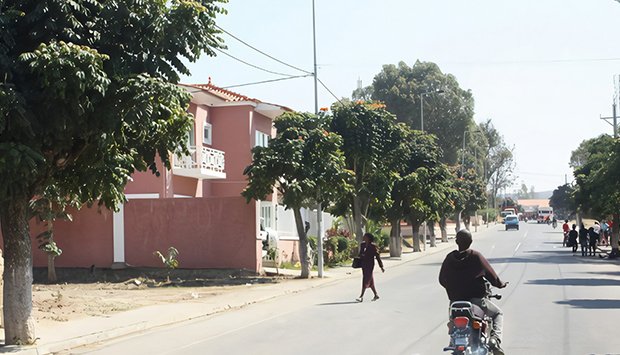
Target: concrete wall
[84, 242]
[207, 232]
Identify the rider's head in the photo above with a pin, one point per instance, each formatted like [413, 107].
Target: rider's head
[463, 239]
[566, 221]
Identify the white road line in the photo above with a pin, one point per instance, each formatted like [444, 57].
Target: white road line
[517, 248]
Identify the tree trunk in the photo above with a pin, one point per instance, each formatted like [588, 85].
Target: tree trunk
[467, 220]
[415, 228]
[431, 233]
[358, 220]
[304, 257]
[51, 269]
[457, 217]
[615, 234]
[396, 240]
[444, 229]
[17, 290]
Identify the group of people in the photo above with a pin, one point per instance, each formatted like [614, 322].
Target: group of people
[588, 238]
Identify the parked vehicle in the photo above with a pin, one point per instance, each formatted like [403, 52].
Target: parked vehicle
[512, 222]
[470, 331]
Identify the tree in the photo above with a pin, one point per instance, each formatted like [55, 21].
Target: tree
[87, 98]
[370, 136]
[473, 194]
[563, 201]
[598, 182]
[447, 115]
[499, 161]
[304, 164]
[423, 188]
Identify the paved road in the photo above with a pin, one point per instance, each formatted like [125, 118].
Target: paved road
[556, 303]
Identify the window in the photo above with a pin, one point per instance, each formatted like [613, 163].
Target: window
[190, 137]
[207, 130]
[266, 216]
[262, 139]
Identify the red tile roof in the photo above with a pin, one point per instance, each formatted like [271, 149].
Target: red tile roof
[230, 96]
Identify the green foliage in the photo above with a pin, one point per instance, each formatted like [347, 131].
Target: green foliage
[170, 261]
[303, 162]
[370, 139]
[446, 115]
[89, 91]
[563, 201]
[489, 214]
[472, 192]
[598, 178]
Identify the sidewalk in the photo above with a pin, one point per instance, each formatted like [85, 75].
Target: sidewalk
[80, 332]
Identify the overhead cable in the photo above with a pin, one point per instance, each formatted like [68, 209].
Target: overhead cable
[328, 90]
[261, 52]
[252, 65]
[266, 81]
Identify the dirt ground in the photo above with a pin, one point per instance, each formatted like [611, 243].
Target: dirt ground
[94, 292]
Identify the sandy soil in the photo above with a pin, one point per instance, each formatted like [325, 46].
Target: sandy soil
[81, 293]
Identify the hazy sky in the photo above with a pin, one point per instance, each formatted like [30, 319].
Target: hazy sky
[542, 70]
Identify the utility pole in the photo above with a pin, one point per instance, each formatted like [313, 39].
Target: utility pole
[614, 118]
[319, 212]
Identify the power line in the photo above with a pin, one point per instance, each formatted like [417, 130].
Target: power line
[252, 65]
[261, 52]
[328, 90]
[266, 81]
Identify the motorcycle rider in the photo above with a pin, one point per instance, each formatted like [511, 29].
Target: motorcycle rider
[462, 275]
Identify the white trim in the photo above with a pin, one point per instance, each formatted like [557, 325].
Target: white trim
[141, 196]
[182, 196]
[118, 232]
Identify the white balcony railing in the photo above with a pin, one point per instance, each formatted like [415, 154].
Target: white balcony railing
[202, 163]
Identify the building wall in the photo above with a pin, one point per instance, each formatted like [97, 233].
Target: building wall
[84, 242]
[207, 232]
[234, 130]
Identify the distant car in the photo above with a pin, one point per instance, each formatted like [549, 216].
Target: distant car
[512, 221]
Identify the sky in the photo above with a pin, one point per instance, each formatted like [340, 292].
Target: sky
[541, 70]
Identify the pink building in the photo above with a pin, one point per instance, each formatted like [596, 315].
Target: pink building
[195, 207]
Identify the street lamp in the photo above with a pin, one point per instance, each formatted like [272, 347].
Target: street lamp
[437, 91]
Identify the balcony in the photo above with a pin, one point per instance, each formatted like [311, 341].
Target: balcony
[201, 163]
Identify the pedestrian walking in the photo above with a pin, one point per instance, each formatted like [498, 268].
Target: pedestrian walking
[572, 238]
[368, 253]
[604, 233]
[583, 240]
[593, 238]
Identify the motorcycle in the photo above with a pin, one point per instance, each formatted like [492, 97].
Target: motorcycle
[470, 328]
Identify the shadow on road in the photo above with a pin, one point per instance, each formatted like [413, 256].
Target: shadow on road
[575, 282]
[337, 303]
[610, 273]
[592, 304]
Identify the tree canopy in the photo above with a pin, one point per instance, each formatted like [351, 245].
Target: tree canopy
[304, 164]
[447, 115]
[88, 96]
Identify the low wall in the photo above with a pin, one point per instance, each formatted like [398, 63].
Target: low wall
[207, 232]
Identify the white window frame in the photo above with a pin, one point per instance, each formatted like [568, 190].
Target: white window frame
[207, 133]
[261, 139]
[267, 214]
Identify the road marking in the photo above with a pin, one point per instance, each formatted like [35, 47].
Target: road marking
[517, 248]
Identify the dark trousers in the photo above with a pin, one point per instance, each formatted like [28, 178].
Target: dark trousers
[584, 249]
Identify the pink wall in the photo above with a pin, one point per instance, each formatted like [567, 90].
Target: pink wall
[207, 232]
[234, 132]
[84, 242]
